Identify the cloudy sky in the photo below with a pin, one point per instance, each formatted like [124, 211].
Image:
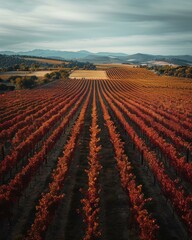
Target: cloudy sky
[130, 26]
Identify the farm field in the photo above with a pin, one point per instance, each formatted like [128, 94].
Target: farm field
[6, 75]
[44, 60]
[89, 74]
[106, 159]
[105, 66]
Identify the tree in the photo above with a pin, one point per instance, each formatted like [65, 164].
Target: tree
[45, 80]
[34, 67]
[3, 87]
[47, 76]
[19, 82]
[23, 67]
[26, 82]
[64, 73]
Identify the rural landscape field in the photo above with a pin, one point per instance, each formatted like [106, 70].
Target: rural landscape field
[99, 155]
[96, 120]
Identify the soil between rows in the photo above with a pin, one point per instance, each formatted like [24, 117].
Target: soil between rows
[22, 213]
[170, 225]
[115, 217]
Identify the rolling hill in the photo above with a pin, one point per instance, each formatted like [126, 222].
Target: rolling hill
[104, 57]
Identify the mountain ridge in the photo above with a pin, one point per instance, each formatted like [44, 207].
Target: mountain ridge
[103, 57]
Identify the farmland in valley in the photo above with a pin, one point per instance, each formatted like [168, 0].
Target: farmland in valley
[89, 74]
[6, 75]
[106, 159]
[45, 60]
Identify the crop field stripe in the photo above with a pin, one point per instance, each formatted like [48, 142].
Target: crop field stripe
[180, 202]
[160, 115]
[147, 227]
[153, 98]
[182, 168]
[23, 178]
[30, 117]
[22, 113]
[30, 143]
[50, 200]
[91, 200]
[115, 158]
[151, 102]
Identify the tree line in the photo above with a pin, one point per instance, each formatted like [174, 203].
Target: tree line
[27, 82]
[18, 63]
[180, 71]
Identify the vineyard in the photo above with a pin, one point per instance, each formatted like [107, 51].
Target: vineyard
[97, 159]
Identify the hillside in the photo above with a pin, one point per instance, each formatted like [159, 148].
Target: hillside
[105, 57]
[105, 159]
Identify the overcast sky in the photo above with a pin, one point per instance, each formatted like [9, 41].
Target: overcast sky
[130, 26]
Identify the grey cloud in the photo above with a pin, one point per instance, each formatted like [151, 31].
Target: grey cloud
[127, 25]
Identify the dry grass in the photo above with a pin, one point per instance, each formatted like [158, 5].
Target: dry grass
[89, 74]
[6, 75]
[113, 65]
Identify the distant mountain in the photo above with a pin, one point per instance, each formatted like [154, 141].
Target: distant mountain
[50, 53]
[97, 58]
[139, 57]
[68, 55]
[108, 54]
[7, 53]
[104, 57]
